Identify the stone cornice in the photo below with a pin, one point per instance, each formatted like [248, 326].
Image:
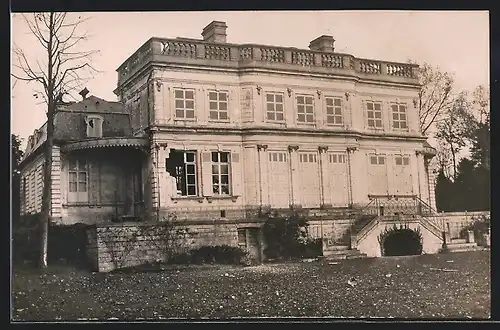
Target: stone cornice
[173, 129]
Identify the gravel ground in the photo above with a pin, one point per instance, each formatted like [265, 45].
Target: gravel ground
[455, 285]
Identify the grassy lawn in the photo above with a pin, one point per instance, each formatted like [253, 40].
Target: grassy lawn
[416, 287]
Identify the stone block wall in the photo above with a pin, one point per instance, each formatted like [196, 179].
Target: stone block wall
[113, 246]
[454, 222]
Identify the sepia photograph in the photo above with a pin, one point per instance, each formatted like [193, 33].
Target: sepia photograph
[250, 165]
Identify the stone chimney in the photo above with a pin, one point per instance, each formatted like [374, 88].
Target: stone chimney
[84, 93]
[215, 32]
[323, 44]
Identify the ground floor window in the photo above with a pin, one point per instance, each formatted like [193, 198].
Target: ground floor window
[220, 173]
[182, 166]
[77, 180]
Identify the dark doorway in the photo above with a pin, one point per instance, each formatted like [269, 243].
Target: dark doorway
[401, 242]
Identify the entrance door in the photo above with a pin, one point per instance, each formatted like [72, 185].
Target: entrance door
[249, 240]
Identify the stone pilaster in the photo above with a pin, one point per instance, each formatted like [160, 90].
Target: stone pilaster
[263, 189]
[56, 205]
[323, 176]
[294, 175]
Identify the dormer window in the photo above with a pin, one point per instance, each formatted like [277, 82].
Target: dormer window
[94, 126]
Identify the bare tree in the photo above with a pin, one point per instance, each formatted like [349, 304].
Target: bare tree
[60, 71]
[454, 129]
[434, 96]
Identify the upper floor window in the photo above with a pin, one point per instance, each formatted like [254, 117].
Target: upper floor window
[374, 114]
[94, 126]
[399, 116]
[402, 160]
[333, 110]
[218, 105]
[184, 103]
[220, 173]
[377, 160]
[274, 104]
[305, 109]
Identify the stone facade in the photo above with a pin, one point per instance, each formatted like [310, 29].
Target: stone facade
[301, 128]
[217, 133]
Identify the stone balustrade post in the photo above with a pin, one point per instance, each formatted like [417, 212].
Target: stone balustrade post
[256, 54]
[200, 51]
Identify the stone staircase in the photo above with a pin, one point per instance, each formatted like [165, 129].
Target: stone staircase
[460, 245]
[341, 252]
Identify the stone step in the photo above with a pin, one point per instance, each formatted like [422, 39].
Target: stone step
[458, 240]
[460, 245]
[336, 248]
[342, 255]
[357, 256]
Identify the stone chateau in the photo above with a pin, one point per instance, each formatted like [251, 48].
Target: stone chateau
[220, 133]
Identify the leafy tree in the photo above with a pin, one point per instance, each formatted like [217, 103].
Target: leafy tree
[17, 155]
[444, 192]
[58, 73]
[454, 129]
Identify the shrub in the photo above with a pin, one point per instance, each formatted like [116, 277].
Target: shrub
[400, 241]
[479, 226]
[26, 239]
[285, 236]
[220, 254]
[312, 248]
[68, 243]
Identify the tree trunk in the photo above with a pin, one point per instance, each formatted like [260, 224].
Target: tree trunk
[47, 188]
[454, 160]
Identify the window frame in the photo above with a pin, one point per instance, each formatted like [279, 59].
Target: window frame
[184, 109]
[78, 196]
[378, 157]
[218, 102]
[402, 159]
[96, 131]
[305, 113]
[334, 107]
[217, 186]
[399, 113]
[374, 118]
[275, 103]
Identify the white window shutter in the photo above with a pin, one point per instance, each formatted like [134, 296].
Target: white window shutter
[206, 173]
[236, 174]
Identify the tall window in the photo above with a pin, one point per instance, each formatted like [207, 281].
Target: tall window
[307, 157]
[402, 160]
[220, 173]
[377, 160]
[277, 157]
[334, 111]
[274, 103]
[399, 116]
[337, 158]
[305, 109]
[218, 105]
[184, 103]
[182, 166]
[94, 126]
[374, 114]
[78, 178]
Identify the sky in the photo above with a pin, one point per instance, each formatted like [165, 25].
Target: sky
[456, 41]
